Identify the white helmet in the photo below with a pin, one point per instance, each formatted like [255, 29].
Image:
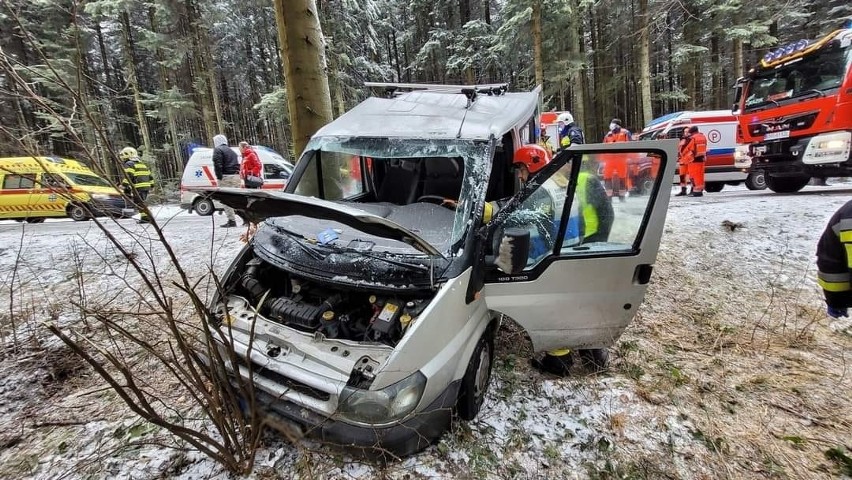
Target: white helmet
[565, 117]
[127, 153]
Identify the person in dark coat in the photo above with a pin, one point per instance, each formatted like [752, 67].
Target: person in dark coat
[226, 165]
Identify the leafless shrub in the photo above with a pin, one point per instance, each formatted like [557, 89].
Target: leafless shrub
[151, 337]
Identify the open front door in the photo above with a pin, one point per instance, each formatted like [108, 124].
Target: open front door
[591, 255]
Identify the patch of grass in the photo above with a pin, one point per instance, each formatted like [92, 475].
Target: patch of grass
[841, 459]
[483, 460]
[714, 444]
[552, 453]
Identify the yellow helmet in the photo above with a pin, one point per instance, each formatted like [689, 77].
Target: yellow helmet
[127, 153]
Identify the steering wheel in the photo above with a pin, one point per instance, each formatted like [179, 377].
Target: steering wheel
[438, 200]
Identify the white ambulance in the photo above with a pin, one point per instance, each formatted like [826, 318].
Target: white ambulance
[720, 128]
[198, 175]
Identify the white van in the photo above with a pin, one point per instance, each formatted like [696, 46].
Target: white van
[720, 128]
[198, 175]
[365, 308]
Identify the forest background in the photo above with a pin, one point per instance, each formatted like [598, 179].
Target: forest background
[167, 75]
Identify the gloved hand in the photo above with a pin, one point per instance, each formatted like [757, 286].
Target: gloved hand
[836, 312]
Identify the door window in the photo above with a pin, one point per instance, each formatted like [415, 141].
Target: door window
[597, 221]
[18, 182]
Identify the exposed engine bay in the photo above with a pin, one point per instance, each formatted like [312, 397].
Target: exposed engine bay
[332, 310]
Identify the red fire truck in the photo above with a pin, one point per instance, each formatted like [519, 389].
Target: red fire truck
[795, 111]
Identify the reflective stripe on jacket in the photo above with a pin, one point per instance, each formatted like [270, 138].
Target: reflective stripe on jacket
[834, 259]
[138, 174]
[590, 214]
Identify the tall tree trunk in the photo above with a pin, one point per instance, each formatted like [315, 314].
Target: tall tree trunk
[738, 57]
[303, 53]
[538, 61]
[486, 7]
[132, 79]
[177, 163]
[645, 63]
[576, 79]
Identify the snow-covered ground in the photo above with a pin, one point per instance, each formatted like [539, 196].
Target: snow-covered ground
[730, 370]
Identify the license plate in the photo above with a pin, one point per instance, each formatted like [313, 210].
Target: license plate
[777, 135]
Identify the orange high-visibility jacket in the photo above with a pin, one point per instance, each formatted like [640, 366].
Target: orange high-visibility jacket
[686, 151]
[700, 142]
[622, 136]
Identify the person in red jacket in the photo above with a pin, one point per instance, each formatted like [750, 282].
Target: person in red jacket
[615, 175]
[251, 166]
[685, 152]
[696, 168]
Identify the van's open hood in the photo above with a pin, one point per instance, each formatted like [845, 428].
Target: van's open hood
[258, 205]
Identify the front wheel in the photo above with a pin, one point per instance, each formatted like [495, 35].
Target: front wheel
[476, 378]
[714, 187]
[204, 207]
[787, 184]
[756, 180]
[78, 213]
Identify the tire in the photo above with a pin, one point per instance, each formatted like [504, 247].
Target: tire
[204, 207]
[756, 180]
[786, 184]
[595, 359]
[714, 187]
[35, 220]
[645, 184]
[78, 212]
[474, 384]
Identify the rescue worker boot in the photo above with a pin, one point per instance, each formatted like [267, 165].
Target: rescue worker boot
[696, 194]
[143, 220]
[682, 192]
[229, 224]
[556, 365]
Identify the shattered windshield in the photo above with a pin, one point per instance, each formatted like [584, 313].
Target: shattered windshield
[429, 187]
[812, 75]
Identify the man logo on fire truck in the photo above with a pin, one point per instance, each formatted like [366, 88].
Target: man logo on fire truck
[795, 111]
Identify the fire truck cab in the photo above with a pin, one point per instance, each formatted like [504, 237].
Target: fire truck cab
[795, 111]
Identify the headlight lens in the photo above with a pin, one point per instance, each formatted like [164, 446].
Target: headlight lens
[382, 406]
[100, 196]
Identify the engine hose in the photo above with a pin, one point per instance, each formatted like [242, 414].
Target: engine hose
[250, 281]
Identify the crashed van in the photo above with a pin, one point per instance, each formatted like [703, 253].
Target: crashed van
[371, 303]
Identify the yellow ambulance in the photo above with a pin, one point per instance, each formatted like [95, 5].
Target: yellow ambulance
[35, 188]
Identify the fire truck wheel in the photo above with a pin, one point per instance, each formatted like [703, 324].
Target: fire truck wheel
[786, 184]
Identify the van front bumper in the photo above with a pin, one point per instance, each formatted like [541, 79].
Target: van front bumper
[114, 207]
[422, 429]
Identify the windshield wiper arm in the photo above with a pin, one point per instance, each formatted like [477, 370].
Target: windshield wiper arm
[819, 93]
[411, 266]
[298, 241]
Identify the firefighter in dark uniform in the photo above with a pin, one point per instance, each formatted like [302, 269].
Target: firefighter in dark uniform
[137, 181]
[834, 262]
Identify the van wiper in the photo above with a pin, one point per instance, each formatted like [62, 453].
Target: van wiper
[298, 239]
[812, 91]
[410, 266]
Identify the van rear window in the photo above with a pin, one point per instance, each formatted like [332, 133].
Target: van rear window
[18, 182]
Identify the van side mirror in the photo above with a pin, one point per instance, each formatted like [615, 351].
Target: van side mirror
[514, 250]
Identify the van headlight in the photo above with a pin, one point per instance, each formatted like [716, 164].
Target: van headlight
[101, 196]
[382, 406]
[828, 148]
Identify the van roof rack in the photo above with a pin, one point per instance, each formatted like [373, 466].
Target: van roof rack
[469, 91]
